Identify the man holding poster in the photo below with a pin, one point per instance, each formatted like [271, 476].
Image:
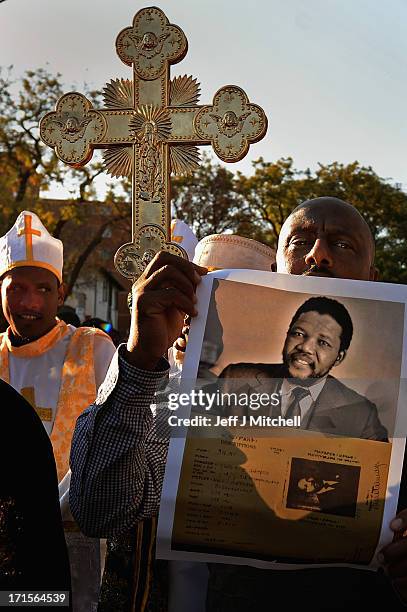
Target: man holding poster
[119, 449]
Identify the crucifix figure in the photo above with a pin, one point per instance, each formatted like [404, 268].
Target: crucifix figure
[150, 128]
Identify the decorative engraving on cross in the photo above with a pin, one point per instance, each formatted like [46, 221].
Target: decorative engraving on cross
[150, 128]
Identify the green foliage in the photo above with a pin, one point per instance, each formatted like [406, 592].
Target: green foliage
[272, 192]
[209, 203]
[27, 167]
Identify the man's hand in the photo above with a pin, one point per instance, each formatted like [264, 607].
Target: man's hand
[161, 297]
[394, 555]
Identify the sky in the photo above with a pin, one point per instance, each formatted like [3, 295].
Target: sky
[331, 75]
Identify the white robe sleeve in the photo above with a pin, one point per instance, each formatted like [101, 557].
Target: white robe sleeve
[104, 349]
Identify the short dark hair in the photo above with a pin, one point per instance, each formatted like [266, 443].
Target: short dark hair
[335, 309]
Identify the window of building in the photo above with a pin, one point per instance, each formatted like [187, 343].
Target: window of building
[105, 290]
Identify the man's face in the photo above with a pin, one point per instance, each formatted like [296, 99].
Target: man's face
[30, 297]
[312, 344]
[326, 237]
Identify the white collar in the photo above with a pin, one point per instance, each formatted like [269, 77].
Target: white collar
[314, 390]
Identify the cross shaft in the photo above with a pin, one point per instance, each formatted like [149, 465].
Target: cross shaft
[150, 128]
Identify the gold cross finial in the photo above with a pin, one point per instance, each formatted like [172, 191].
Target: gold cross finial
[150, 129]
[28, 232]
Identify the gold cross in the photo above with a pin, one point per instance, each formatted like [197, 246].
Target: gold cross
[28, 393]
[28, 232]
[150, 128]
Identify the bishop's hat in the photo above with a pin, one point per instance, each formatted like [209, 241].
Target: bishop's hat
[28, 243]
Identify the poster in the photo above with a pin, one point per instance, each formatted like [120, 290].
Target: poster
[244, 486]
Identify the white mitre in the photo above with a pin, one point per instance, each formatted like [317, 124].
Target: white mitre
[28, 243]
[182, 234]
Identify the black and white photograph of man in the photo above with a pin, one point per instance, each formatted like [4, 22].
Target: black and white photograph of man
[317, 340]
[317, 352]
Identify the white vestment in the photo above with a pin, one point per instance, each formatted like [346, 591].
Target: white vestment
[39, 380]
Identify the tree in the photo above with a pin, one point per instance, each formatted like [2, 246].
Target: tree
[272, 192]
[27, 167]
[208, 202]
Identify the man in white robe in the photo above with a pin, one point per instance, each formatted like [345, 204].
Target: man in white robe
[55, 366]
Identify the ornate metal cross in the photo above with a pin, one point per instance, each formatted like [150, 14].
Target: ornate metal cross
[149, 128]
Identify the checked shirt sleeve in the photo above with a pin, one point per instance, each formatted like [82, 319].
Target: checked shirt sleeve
[119, 450]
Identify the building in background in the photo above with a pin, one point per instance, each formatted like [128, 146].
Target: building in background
[97, 291]
[96, 294]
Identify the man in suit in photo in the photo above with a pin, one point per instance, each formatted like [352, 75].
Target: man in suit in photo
[317, 340]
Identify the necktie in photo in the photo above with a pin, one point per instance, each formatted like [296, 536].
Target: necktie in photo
[297, 394]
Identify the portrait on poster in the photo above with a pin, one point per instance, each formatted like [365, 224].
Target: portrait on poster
[348, 349]
[322, 486]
